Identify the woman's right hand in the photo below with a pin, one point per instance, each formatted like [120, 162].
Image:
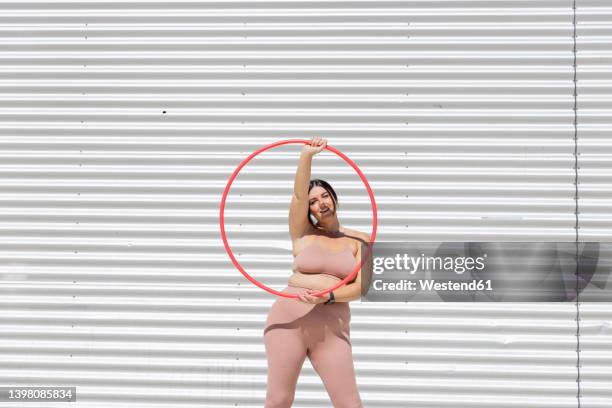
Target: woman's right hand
[304, 295]
[316, 145]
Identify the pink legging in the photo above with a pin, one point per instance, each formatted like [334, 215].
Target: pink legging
[294, 330]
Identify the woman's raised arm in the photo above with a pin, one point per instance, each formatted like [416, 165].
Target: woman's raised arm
[298, 210]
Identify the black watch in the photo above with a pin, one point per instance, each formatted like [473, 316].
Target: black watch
[332, 299]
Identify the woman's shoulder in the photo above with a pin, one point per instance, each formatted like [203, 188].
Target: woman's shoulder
[358, 235]
[306, 238]
[356, 238]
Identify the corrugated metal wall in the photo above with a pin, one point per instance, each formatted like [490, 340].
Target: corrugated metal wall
[121, 122]
[594, 154]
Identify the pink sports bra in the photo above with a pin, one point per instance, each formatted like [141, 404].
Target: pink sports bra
[318, 259]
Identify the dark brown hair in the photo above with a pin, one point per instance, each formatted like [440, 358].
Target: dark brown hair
[325, 185]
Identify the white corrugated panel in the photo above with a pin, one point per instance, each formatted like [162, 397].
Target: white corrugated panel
[594, 103]
[122, 121]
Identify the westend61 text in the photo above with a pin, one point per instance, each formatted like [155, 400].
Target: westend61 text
[431, 284]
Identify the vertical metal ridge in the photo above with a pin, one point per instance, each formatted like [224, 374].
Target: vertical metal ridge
[576, 210]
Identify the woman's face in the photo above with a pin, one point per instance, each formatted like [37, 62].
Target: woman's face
[321, 203]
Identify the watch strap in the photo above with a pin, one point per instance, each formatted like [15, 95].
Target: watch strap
[332, 299]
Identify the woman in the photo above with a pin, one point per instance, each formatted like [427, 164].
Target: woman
[315, 326]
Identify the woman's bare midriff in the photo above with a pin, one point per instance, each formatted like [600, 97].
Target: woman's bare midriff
[315, 281]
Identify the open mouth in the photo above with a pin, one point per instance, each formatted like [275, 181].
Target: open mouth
[325, 211]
